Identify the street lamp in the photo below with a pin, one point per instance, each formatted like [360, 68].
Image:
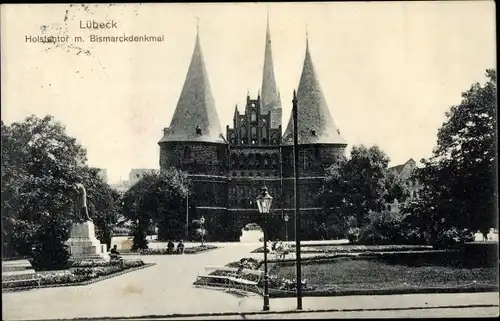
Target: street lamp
[297, 198]
[264, 201]
[202, 222]
[286, 227]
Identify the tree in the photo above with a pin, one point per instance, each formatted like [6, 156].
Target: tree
[40, 164]
[459, 190]
[159, 196]
[358, 185]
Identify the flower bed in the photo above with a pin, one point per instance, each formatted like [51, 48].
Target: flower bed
[275, 283]
[246, 263]
[80, 273]
[187, 250]
[15, 258]
[328, 248]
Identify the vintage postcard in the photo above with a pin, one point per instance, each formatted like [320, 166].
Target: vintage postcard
[249, 160]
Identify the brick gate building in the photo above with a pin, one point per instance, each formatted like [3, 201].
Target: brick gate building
[228, 170]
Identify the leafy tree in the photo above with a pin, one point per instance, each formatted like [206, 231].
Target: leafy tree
[459, 192]
[357, 186]
[383, 228]
[160, 197]
[396, 190]
[39, 165]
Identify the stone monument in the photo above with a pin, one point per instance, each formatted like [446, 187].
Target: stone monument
[82, 241]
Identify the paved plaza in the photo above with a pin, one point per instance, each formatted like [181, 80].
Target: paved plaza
[166, 288]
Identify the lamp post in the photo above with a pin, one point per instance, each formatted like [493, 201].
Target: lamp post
[286, 227]
[202, 222]
[297, 197]
[264, 201]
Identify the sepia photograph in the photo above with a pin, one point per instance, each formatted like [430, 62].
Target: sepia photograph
[249, 160]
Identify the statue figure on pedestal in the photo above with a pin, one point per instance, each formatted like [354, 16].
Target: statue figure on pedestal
[81, 203]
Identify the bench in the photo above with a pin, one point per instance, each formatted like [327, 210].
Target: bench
[115, 257]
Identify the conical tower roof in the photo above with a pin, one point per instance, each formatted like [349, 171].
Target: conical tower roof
[195, 117]
[315, 123]
[269, 94]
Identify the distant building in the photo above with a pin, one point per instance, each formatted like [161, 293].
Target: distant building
[137, 173]
[121, 187]
[404, 173]
[103, 174]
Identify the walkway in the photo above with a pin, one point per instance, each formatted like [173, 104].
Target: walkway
[166, 288]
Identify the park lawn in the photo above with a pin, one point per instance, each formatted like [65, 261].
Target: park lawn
[375, 274]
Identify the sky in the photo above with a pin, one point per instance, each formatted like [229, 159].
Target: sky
[389, 70]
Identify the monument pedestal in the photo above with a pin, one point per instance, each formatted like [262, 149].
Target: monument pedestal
[83, 243]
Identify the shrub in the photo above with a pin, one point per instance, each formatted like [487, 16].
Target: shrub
[122, 231]
[139, 242]
[49, 251]
[187, 250]
[448, 237]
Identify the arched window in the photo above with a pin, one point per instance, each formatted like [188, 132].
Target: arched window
[233, 139]
[253, 116]
[266, 161]
[275, 162]
[234, 160]
[187, 153]
[243, 160]
[254, 132]
[264, 132]
[274, 138]
[251, 160]
[243, 132]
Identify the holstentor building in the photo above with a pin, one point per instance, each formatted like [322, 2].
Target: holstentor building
[228, 169]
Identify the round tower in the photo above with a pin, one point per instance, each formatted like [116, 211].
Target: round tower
[194, 144]
[319, 146]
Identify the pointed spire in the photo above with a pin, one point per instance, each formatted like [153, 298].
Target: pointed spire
[195, 117]
[315, 122]
[307, 39]
[269, 93]
[235, 111]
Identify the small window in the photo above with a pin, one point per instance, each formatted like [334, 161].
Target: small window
[313, 132]
[198, 130]
[254, 132]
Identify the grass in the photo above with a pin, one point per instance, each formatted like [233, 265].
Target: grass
[379, 274]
